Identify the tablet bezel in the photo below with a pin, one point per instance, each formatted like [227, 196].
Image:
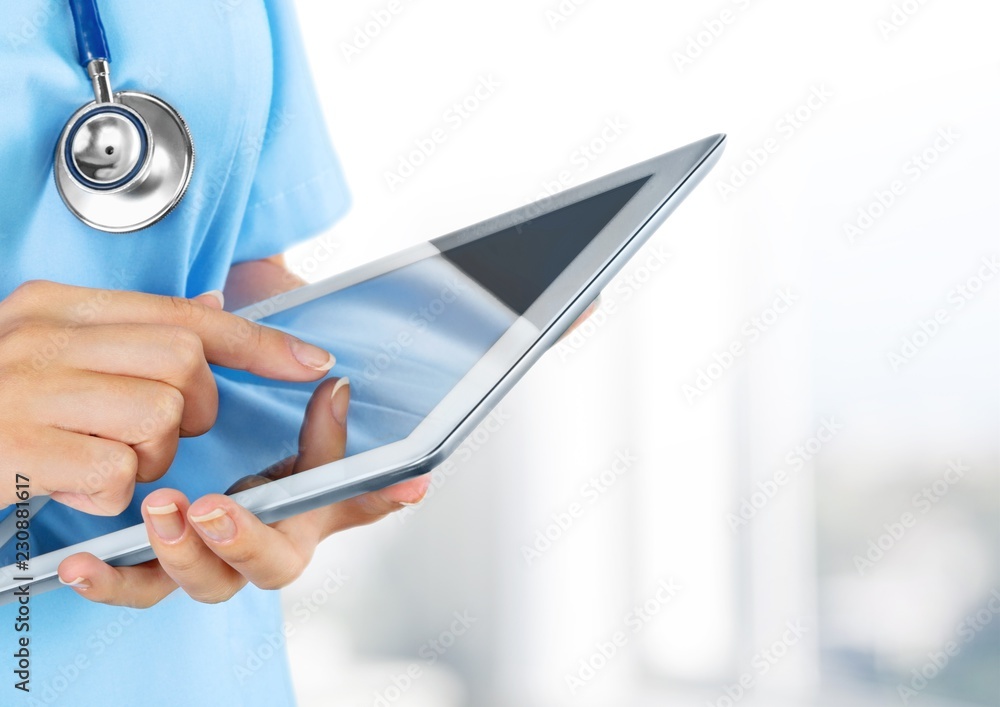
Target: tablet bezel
[670, 177]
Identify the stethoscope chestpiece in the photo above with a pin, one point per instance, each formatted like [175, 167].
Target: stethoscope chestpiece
[107, 146]
[125, 160]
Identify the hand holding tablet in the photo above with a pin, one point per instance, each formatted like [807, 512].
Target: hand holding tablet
[431, 339]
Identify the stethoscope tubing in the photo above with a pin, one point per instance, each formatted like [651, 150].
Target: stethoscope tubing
[115, 130]
[91, 41]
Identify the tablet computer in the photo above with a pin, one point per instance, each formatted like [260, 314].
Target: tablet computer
[432, 338]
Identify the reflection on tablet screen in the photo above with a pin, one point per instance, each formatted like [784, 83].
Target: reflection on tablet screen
[405, 338]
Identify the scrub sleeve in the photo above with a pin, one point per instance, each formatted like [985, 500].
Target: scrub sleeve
[276, 185]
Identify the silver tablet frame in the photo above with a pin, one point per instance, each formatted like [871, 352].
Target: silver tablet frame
[671, 177]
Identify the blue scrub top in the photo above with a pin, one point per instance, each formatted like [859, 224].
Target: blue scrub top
[265, 178]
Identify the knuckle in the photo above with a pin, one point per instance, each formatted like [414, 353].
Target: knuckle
[243, 554]
[184, 564]
[374, 507]
[24, 340]
[158, 415]
[186, 349]
[144, 602]
[273, 582]
[186, 311]
[30, 292]
[169, 407]
[115, 499]
[113, 478]
[171, 402]
[200, 425]
[217, 592]
[284, 574]
[154, 466]
[29, 297]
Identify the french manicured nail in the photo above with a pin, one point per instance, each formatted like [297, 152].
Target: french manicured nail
[421, 492]
[217, 294]
[217, 525]
[340, 398]
[78, 583]
[166, 521]
[312, 356]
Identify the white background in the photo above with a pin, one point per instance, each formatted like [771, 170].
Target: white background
[579, 90]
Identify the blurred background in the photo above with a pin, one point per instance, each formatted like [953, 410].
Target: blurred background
[814, 521]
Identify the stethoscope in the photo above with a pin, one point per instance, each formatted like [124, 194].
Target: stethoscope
[123, 161]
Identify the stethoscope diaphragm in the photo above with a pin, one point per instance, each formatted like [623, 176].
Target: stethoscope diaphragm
[120, 174]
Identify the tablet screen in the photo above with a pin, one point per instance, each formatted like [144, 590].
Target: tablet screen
[405, 338]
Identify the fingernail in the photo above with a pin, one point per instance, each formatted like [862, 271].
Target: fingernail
[421, 492]
[217, 294]
[78, 583]
[166, 521]
[217, 525]
[312, 356]
[340, 400]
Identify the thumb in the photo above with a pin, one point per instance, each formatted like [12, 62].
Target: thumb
[323, 437]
